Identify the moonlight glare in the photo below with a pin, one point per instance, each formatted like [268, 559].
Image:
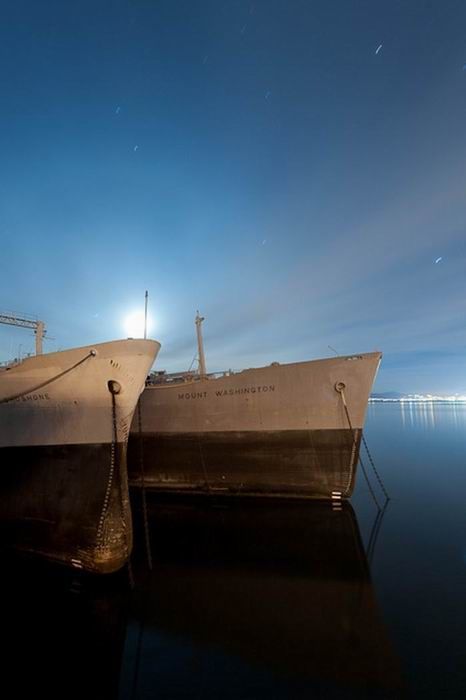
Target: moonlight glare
[133, 324]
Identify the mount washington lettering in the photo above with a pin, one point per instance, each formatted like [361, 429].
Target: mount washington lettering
[227, 392]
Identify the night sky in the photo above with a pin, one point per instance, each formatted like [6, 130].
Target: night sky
[294, 169]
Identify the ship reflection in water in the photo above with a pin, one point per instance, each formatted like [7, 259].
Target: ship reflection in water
[253, 600]
[245, 600]
[63, 633]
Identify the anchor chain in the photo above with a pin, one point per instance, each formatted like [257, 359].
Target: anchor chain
[113, 389]
[372, 492]
[340, 388]
[378, 477]
[143, 489]
[371, 545]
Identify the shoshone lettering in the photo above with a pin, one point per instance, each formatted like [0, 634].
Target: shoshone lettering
[246, 390]
[34, 397]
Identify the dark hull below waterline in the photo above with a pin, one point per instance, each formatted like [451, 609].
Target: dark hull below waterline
[65, 503]
[291, 463]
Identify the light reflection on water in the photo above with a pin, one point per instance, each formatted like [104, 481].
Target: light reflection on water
[412, 411]
[272, 600]
[422, 414]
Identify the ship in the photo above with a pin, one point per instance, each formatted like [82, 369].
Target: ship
[64, 425]
[287, 430]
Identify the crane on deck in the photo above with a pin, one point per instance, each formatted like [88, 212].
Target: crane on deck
[37, 326]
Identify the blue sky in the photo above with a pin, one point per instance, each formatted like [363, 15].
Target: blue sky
[260, 161]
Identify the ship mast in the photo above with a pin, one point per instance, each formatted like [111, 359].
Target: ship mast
[37, 326]
[200, 344]
[146, 298]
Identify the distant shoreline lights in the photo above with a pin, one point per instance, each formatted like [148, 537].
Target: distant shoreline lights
[420, 398]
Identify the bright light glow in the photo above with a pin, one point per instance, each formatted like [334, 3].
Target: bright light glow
[421, 398]
[134, 324]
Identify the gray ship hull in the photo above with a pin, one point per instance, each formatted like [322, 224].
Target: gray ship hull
[274, 431]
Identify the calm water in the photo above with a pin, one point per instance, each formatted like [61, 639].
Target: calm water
[270, 600]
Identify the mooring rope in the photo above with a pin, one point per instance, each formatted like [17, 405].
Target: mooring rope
[91, 353]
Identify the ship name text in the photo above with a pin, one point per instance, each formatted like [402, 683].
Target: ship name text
[189, 395]
[33, 397]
